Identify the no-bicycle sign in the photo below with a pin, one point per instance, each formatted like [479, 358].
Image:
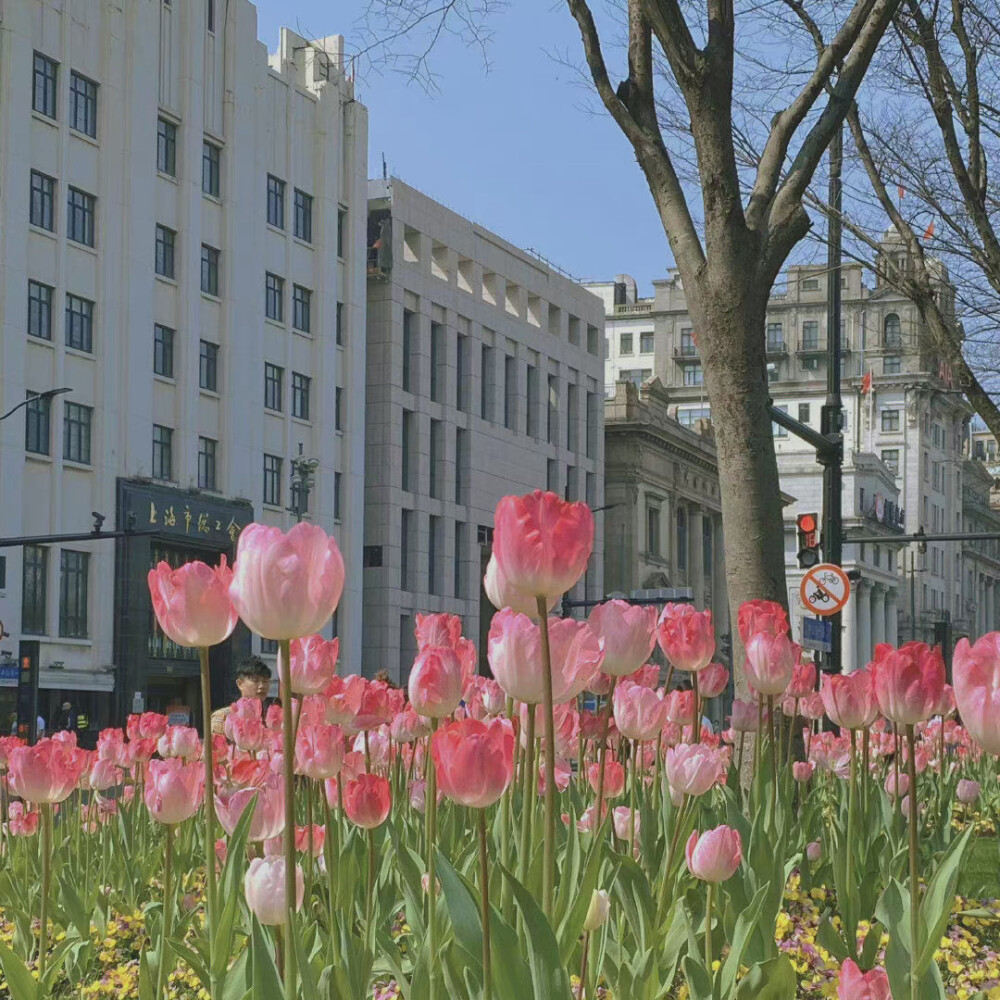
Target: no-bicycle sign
[825, 589]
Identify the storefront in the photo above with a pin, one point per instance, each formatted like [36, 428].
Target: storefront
[154, 674]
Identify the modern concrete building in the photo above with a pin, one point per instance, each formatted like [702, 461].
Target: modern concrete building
[903, 439]
[182, 226]
[485, 371]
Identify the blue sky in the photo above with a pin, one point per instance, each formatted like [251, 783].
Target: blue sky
[520, 147]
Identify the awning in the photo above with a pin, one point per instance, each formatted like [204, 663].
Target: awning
[75, 680]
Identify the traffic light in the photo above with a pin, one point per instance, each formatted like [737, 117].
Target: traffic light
[808, 526]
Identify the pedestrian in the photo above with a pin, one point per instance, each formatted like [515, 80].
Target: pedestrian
[253, 680]
[65, 721]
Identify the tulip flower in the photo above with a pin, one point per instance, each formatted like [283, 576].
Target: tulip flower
[435, 684]
[686, 636]
[542, 543]
[680, 707]
[111, 746]
[714, 855]
[814, 850]
[22, 823]
[857, 985]
[474, 761]
[264, 886]
[192, 603]
[148, 725]
[343, 697]
[598, 911]
[639, 712]
[104, 774]
[180, 741]
[802, 770]
[563, 775]
[515, 656]
[567, 726]
[367, 800]
[967, 791]
[712, 681]
[46, 772]
[629, 634]
[692, 769]
[803, 681]
[621, 817]
[319, 751]
[286, 585]
[247, 732]
[374, 709]
[647, 675]
[407, 726]
[267, 800]
[761, 616]
[744, 717]
[893, 789]
[909, 682]
[174, 790]
[312, 664]
[849, 699]
[614, 778]
[976, 679]
[503, 595]
[770, 662]
[444, 630]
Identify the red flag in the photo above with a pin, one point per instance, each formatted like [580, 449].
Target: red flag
[866, 383]
[929, 231]
[902, 192]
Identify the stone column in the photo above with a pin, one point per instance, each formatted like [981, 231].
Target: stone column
[864, 622]
[696, 552]
[878, 614]
[892, 617]
[849, 635]
[669, 536]
[990, 604]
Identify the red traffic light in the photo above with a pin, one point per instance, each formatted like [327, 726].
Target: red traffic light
[807, 522]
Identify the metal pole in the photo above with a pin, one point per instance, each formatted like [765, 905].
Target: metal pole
[831, 417]
[913, 596]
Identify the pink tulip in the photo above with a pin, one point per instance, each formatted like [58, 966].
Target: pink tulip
[890, 784]
[104, 774]
[567, 726]
[148, 725]
[367, 800]
[418, 794]
[502, 594]
[761, 616]
[264, 886]
[319, 751]
[621, 817]
[744, 717]
[313, 663]
[267, 800]
[375, 708]
[849, 699]
[712, 681]
[909, 683]
[302, 839]
[647, 675]
[967, 791]
[174, 790]
[379, 747]
[812, 707]
[639, 712]
[542, 543]
[803, 681]
[343, 699]
[435, 684]
[111, 746]
[715, 855]
[46, 772]
[180, 741]
[563, 775]
[857, 985]
[515, 656]
[692, 769]
[139, 751]
[680, 707]
[802, 770]
[474, 761]
[614, 778]
[686, 636]
[21, 822]
[444, 630]
[407, 726]
[246, 732]
[770, 662]
[494, 698]
[947, 706]
[976, 677]
[286, 585]
[629, 634]
[192, 603]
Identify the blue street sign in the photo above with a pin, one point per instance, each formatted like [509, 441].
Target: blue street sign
[9, 673]
[817, 633]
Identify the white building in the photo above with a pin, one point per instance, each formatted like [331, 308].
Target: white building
[903, 440]
[182, 225]
[485, 371]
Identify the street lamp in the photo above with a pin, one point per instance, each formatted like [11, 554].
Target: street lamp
[303, 480]
[48, 394]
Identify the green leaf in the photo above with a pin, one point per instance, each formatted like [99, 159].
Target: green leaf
[771, 980]
[20, 982]
[308, 988]
[462, 910]
[699, 980]
[266, 983]
[935, 908]
[571, 924]
[746, 924]
[73, 906]
[830, 938]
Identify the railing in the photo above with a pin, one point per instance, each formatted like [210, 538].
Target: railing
[811, 347]
[686, 353]
[633, 309]
[777, 347]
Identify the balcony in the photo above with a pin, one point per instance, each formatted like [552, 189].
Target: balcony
[633, 308]
[687, 355]
[811, 345]
[776, 348]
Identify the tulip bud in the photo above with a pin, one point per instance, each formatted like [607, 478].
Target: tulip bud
[597, 912]
[264, 886]
[967, 791]
[814, 851]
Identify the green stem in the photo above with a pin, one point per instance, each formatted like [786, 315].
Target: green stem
[210, 885]
[484, 876]
[851, 809]
[658, 779]
[430, 817]
[43, 938]
[914, 886]
[331, 858]
[760, 731]
[168, 909]
[371, 889]
[548, 852]
[603, 750]
[528, 784]
[583, 966]
[708, 930]
[696, 728]
[772, 725]
[665, 892]
[309, 835]
[631, 798]
[791, 732]
[288, 744]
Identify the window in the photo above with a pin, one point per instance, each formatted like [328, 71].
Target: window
[275, 202]
[406, 442]
[804, 409]
[572, 417]
[164, 259]
[776, 429]
[646, 343]
[810, 284]
[341, 230]
[408, 323]
[163, 446]
[211, 163]
[509, 391]
[461, 463]
[73, 573]
[338, 409]
[690, 416]
[406, 517]
[552, 414]
[80, 217]
[303, 211]
[208, 366]
[43, 89]
[890, 420]
[810, 335]
[3, 572]
[552, 476]
[166, 147]
[82, 104]
[458, 584]
[77, 421]
[209, 270]
[163, 350]
[694, 375]
[592, 418]
[433, 543]
[39, 310]
[34, 587]
[42, 206]
[893, 332]
[273, 378]
[300, 396]
[301, 309]
[531, 410]
[210, 15]
[79, 323]
[37, 416]
[437, 362]
[207, 451]
[340, 324]
[653, 532]
[775, 337]
[682, 539]
[272, 480]
[687, 342]
[434, 458]
[337, 477]
[890, 456]
[891, 364]
[625, 344]
[461, 370]
[486, 383]
[274, 297]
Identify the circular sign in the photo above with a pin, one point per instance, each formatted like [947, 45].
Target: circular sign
[825, 589]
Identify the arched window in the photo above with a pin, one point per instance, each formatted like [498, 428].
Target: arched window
[893, 333]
